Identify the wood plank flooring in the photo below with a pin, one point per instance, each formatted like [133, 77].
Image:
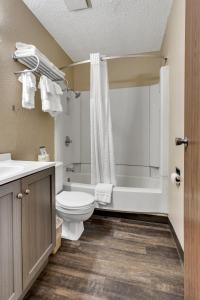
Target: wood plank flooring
[115, 259]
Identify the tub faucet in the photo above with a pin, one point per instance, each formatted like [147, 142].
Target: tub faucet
[70, 169]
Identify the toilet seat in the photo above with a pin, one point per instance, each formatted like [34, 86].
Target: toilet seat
[80, 211]
[75, 201]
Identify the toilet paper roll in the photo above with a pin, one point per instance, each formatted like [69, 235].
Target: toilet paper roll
[175, 178]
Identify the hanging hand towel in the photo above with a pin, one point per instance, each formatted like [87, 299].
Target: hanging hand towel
[47, 90]
[28, 81]
[103, 193]
[57, 98]
[50, 96]
[56, 103]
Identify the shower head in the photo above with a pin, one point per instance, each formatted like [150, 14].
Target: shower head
[77, 94]
[65, 88]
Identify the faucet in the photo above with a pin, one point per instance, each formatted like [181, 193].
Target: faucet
[70, 169]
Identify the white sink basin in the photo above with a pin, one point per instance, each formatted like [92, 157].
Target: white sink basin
[11, 170]
[8, 170]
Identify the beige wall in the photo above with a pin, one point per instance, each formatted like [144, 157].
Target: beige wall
[23, 131]
[122, 73]
[174, 49]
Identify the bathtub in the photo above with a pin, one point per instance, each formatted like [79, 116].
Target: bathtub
[133, 194]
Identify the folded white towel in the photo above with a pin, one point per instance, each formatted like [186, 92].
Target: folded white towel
[30, 50]
[103, 193]
[51, 96]
[20, 45]
[28, 81]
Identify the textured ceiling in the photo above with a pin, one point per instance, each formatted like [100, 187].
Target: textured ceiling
[111, 27]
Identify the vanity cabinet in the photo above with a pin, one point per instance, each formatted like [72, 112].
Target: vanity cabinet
[10, 242]
[38, 222]
[27, 231]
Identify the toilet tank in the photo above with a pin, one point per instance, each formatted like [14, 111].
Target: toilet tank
[59, 176]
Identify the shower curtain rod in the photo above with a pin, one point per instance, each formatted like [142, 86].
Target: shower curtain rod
[142, 55]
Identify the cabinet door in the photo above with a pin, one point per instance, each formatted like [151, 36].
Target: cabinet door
[38, 222]
[10, 242]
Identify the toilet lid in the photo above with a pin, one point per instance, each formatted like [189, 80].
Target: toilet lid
[74, 200]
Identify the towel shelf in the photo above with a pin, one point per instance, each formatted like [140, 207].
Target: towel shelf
[37, 66]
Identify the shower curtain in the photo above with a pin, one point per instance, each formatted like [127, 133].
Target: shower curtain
[102, 153]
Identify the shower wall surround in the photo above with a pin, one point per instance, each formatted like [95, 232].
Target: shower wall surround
[68, 124]
[136, 130]
[140, 128]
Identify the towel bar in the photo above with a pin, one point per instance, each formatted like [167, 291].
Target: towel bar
[37, 66]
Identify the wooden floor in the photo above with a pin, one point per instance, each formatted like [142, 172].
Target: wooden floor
[115, 259]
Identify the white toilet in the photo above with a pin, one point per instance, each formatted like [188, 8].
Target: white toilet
[73, 207]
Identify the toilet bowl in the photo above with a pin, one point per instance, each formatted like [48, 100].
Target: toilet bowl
[73, 207]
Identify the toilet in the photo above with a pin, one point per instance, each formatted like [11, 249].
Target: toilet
[73, 207]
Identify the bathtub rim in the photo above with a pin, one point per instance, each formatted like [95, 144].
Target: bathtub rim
[116, 188]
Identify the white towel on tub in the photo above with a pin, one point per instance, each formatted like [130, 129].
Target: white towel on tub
[103, 193]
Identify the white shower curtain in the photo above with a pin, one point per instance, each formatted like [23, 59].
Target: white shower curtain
[102, 153]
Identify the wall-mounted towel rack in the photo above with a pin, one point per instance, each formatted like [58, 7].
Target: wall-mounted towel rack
[39, 67]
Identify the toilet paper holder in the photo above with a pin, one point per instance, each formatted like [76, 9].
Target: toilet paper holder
[177, 177]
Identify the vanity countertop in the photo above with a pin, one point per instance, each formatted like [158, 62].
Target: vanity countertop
[11, 170]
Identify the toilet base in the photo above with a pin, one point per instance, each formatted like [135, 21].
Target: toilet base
[72, 230]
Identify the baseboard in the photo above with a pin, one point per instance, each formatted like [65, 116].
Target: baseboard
[134, 216]
[178, 245]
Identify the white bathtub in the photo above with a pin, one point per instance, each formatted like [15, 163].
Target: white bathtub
[134, 194]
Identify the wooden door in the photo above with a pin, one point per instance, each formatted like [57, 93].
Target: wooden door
[38, 222]
[192, 154]
[10, 242]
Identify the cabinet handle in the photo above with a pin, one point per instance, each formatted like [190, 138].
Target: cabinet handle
[27, 191]
[19, 196]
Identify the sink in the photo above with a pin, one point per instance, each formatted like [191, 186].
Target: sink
[8, 170]
[11, 170]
